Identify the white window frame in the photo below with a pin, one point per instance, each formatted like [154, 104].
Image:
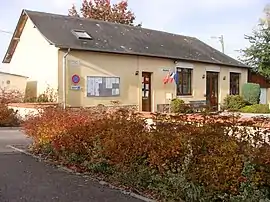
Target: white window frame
[82, 34]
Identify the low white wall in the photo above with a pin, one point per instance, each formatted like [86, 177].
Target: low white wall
[23, 112]
[27, 109]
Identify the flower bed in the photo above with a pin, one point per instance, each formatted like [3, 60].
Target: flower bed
[215, 160]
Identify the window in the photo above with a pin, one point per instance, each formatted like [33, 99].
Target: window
[184, 81]
[81, 34]
[234, 83]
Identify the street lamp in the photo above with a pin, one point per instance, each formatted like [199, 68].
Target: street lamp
[6, 32]
[221, 40]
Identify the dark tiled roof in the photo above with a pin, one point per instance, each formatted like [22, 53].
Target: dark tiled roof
[118, 38]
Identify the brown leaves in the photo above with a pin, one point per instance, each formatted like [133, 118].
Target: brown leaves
[10, 96]
[8, 117]
[103, 10]
[73, 11]
[215, 146]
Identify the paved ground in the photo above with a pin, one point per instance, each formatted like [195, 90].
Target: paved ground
[24, 179]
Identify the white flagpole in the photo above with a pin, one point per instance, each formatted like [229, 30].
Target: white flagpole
[175, 88]
[169, 99]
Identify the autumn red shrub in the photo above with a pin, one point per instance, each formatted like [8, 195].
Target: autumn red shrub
[8, 117]
[10, 96]
[51, 122]
[182, 156]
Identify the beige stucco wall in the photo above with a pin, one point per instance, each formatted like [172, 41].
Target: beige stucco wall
[268, 96]
[36, 58]
[13, 82]
[103, 64]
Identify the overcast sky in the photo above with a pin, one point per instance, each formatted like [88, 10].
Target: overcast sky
[198, 18]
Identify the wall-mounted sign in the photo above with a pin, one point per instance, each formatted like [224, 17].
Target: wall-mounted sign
[75, 87]
[169, 96]
[74, 63]
[165, 69]
[75, 79]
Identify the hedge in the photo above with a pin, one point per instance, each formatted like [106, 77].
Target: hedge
[257, 108]
[210, 158]
[251, 93]
[234, 102]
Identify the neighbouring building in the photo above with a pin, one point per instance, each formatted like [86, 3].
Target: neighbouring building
[264, 83]
[105, 62]
[13, 82]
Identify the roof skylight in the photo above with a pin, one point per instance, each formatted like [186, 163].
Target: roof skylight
[81, 34]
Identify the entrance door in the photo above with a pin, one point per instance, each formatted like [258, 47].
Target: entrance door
[146, 91]
[212, 90]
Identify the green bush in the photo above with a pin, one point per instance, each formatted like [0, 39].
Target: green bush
[251, 93]
[234, 102]
[179, 106]
[257, 108]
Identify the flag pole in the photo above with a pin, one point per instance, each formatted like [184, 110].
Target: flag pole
[170, 96]
[175, 88]
[165, 81]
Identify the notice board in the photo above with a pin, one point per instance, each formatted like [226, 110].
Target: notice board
[103, 86]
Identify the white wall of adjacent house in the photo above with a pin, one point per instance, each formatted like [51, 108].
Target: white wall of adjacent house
[263, 96]
[12, 82]
[35, 58]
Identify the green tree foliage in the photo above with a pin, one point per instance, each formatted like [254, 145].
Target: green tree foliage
[257, 55]
[104, 10]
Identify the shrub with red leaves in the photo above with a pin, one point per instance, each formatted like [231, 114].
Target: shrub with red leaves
[8, 117]
[10, 96]
[192, 157]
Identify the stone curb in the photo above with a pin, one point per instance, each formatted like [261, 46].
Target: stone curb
[103, 183]
[10, 128]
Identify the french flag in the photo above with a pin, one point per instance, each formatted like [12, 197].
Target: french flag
[174, 76]
[170, 77]
[166, 79]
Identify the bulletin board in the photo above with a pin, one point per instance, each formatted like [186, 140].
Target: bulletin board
[103, 86]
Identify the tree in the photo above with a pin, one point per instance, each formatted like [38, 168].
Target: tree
[73, 11]
[103, 10]
[257, 55]
[266, 18]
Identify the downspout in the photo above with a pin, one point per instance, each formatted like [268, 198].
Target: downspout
[64, 77]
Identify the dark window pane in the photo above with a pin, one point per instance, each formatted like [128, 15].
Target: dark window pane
[184, 82]
[234, 83]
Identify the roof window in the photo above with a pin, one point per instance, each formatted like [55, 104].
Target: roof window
[81, 34]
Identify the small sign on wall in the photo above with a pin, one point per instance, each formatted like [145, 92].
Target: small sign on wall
[74, 63]
[75, 87]
[165, 69]
[75, 78]
[169, 96]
